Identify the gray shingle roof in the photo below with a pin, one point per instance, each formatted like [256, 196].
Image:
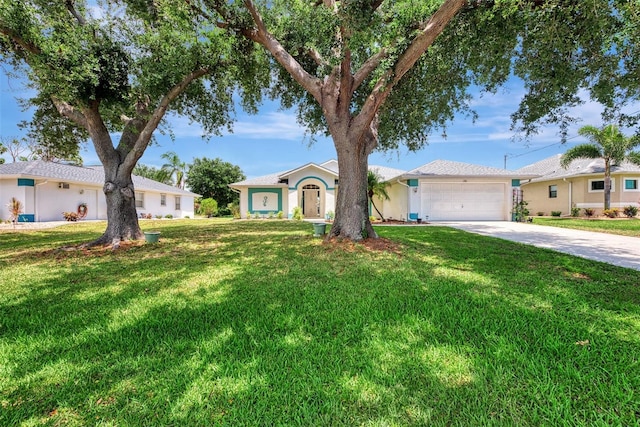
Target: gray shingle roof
[549, 168]
[39, 169]
[440, 168]
[330, 166]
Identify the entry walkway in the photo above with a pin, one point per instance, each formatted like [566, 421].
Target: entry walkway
[622, 251]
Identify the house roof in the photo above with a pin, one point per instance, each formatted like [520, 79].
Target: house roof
[448, 168]
[94, 175]
[330, 167]
[550, 168]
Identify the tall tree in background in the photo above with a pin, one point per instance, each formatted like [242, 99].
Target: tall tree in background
[375, 74]
[174, 168]
[156, 174]
[3, 150]
[120, 70]
[608, 144]
[211, 179]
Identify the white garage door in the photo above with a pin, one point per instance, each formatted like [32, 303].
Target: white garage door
[463, 201]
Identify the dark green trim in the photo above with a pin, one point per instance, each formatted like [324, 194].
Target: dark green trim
[277, 191]
[26, 218]
[26, 182]
[326, 186]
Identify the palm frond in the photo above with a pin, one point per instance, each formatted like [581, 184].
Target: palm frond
[582, 151]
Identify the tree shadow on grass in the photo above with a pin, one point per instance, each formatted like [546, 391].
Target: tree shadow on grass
[261, 324]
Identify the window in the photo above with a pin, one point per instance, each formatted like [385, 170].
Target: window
[631, 184]
[597, 185]
[177, 203]
[163, 200]
[553, 191]
[139, 200]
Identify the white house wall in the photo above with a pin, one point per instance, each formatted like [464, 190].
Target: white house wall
[502, 202]
[46, 201]
[152, 205]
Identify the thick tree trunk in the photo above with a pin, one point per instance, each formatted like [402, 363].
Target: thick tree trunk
[352, 210]
[122, 217]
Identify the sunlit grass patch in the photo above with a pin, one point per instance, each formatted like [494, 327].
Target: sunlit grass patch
[258, 322]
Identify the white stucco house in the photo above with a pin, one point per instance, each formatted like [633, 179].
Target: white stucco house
[439, 191]
[47, 189]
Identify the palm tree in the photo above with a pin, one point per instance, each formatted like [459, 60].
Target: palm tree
[608, 144]
[175, 166]
[376, 187]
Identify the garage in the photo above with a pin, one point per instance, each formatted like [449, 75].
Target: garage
[463, 201]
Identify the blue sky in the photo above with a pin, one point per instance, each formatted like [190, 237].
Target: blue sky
[272, 141]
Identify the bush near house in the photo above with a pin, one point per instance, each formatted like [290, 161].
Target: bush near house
[611, 213]
[556, 213]
[630, 211]
[589, 212]
[70, 216]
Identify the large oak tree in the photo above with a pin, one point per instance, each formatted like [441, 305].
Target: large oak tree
[114, 69]
[375, 74]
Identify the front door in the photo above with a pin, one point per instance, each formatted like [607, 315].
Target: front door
[311, 201]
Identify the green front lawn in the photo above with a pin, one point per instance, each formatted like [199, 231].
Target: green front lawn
[258, 323]
[621, 226]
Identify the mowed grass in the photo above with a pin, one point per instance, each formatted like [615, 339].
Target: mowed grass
[259, 323]
[621, 226]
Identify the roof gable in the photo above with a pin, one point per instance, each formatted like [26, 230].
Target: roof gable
[550, 168]
[92, 175]
[444, 168]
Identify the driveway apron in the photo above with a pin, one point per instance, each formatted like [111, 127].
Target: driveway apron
[622, 251]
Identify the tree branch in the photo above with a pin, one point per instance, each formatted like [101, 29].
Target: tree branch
[16, 38]
[367, 68]
[419, 45]
[71, 8]
[262, 36]
[67, 110]
[145, 135]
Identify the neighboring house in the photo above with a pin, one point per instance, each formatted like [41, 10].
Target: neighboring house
[47, 189]
[581, 185]
[440, 190]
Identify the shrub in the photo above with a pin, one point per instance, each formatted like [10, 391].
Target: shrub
[248, 215]
[15, 209]
[575, 212]
[280, 215]
[630, 211]
[158, 216]
[556, 213]
[330, 215]
[70, 216]
[588, 212]
[168, 216]
[540, 213]
[234, 209]
[208, 207]
[271, 215]
[611, 213]
[297, 213]
[256, 215]
[521, 211]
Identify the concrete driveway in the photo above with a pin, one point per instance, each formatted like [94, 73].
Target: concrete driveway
[617, 250]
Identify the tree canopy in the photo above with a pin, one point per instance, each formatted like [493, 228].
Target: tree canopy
[116, 68]
[211, 179]
[378, 75]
